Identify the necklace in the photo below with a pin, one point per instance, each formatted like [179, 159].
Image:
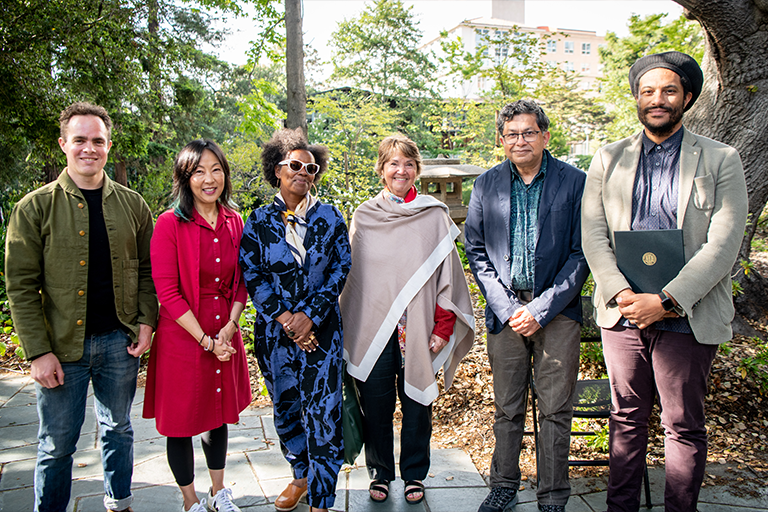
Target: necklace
[208, 219]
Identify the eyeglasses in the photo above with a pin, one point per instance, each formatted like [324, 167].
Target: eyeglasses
[298, 165]
[511, 138]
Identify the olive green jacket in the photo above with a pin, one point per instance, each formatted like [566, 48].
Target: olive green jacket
[46, 265]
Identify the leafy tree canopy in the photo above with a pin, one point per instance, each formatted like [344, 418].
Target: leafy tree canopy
[378, 51]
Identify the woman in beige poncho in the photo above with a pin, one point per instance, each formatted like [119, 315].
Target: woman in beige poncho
[407, 312]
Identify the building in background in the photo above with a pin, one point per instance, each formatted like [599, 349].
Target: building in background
[570, 49]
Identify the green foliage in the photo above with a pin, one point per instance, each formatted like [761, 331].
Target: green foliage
[599, 441]
[260, 115]
[509, 59]
[462, 255]
[583, 162]
[468, 130]
[591, 352]
[352, 125]
[573, 115]
[646, 36]
[247, 321]
[512, 62]
[745, 267]
[756, 367]
[141, 60]
[475, 290]
[379, 51]
[249, 188]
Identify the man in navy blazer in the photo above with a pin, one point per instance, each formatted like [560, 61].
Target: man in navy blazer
[523, 242]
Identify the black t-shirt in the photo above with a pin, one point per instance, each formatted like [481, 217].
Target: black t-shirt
[100, 316]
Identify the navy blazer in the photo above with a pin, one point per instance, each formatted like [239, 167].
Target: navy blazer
[560, 266]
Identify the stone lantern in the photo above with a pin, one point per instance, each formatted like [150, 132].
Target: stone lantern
[441, 178]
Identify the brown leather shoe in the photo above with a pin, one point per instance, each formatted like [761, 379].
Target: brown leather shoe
[289, 498]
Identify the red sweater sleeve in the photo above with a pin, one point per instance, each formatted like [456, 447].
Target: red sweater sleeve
[165, 266]
[444, 322]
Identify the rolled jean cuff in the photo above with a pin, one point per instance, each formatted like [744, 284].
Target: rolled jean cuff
[121, 504]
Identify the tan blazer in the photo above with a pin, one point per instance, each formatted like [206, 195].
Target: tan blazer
[712, 212]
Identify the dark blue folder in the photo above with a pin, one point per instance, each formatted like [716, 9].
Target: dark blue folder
[649, 259]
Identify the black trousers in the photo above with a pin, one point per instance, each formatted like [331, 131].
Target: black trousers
[377, 398]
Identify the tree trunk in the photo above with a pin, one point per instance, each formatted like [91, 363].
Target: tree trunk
[294, 67]
[50, 171]
[121, 175]
[732, 109]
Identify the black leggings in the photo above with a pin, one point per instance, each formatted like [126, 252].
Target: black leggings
[181, 454]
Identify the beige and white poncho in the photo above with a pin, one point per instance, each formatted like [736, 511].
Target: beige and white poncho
[403, 255]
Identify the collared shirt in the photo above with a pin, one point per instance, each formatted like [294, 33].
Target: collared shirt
[523, 225]
[655, 196]
[654, 199]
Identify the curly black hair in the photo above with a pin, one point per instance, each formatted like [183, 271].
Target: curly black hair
[281, 144]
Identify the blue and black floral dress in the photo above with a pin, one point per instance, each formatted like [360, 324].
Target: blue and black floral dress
[305, 387]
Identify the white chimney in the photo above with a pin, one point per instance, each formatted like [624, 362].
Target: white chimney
[509, 10]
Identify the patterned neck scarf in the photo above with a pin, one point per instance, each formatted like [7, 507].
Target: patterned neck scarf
[410, 196]
[296, 224]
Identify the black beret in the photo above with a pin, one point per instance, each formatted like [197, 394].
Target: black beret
[681, 63]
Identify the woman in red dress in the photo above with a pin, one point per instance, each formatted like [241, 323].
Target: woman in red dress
[197, 380]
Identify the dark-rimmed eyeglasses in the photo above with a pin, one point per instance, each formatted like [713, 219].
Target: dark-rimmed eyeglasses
[298, 165]
[511, 138]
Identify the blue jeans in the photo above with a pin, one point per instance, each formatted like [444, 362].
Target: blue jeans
[61, 411]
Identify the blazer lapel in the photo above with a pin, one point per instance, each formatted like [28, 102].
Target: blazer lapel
[504, 189]
[689, 161]
[552, 181]
[627, 165]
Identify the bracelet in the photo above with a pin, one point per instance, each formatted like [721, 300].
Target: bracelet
[210, 344]
[237, 325]
[201, 340]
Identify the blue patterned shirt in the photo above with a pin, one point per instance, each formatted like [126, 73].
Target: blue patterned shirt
[655, 196]
[523, 225]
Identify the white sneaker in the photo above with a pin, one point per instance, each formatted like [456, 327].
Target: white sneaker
[197, 507]
[222, 502]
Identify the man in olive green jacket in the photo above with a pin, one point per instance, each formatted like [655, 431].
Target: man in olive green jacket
[80, 288]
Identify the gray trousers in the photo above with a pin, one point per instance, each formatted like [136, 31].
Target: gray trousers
[555, 353]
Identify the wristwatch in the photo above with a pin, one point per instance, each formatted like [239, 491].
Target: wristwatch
[666, 302]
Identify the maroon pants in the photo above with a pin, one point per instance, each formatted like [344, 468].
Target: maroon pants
[641, 364]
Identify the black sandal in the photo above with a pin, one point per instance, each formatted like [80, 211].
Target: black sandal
[412, 487]
[381, 486]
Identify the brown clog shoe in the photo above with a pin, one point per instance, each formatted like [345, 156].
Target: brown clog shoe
[289, 498]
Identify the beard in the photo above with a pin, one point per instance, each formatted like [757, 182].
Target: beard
[660, 128]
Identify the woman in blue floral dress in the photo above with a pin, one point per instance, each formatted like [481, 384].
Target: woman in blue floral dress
[295, 257]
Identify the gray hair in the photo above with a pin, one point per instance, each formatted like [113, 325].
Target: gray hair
[522, 107]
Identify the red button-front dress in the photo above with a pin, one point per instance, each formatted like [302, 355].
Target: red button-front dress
[195, 267]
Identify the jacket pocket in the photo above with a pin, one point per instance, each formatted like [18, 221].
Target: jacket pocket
[131, 286]
[704, 192]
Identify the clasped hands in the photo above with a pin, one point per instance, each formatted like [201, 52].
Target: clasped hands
[642, 309]
[523, 322]
[222, 343]
[298, 327]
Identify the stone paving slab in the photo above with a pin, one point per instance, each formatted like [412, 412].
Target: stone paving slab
[257, 471]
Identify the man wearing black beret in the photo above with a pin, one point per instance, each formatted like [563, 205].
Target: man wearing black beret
[663, 178]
